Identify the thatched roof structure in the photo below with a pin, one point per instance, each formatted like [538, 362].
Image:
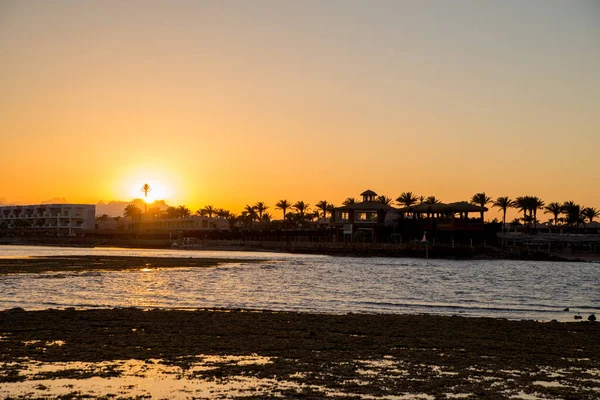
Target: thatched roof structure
[443, 208]
[463, 206]
[366, 206]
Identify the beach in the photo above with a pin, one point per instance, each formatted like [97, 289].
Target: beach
[244, 352]
[79, 263]
[305, 355]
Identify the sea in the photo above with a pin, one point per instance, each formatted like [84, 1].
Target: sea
[516, 290]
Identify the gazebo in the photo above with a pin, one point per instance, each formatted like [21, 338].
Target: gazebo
[367, 216]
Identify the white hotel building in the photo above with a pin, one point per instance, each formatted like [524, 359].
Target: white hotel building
[67, 219]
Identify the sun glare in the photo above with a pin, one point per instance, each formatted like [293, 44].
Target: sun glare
[156, 191]
[161, 181]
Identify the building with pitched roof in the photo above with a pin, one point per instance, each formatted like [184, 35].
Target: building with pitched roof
[367, 216]
[378, 220]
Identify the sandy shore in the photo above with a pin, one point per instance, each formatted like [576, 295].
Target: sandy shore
[113, 263]
[304, 355]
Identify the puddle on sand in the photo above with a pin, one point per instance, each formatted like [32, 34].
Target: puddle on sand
[552, 384]
[526, 396]
[206, 377]
[132, 378]
[45, 343]
[155, 378]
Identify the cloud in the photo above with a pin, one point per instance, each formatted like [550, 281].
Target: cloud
[55, 200]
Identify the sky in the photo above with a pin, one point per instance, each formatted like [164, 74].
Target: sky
[232, 102]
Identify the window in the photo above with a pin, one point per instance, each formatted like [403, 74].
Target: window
[365, 216]
[342, 215]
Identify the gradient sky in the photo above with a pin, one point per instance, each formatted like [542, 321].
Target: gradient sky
[233, 102]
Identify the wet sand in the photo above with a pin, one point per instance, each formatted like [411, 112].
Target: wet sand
[107, 263]
[307, 355]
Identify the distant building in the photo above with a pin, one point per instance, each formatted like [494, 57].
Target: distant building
[446, 217]
[64, 219]
[192, 223]
[374, 221]
[367, 216]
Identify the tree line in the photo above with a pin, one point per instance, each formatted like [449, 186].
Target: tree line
[567, 212]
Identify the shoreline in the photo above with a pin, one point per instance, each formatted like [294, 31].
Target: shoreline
[80, 263]
[320, 353]
[352, 250]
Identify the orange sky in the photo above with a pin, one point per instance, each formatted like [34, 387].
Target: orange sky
[230, 103]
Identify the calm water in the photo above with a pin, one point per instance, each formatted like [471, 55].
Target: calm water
[325, 284]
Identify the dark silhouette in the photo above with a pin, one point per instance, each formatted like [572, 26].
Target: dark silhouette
[145, 189]
[504, 203]
[481, 200]
[283, 205]
[407, 199]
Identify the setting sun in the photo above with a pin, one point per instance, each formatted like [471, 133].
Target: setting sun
[163, 184]
[156, 191]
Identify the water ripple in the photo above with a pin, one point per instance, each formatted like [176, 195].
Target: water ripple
[502, 289]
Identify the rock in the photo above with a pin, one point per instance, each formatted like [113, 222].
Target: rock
[566, 309]
[578, 317]
[592, 318]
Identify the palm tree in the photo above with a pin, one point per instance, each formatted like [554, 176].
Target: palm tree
[301, 207]
[407, 199]
[183, 211]
[251, 212]
[222, 213]
[209, 210]
[590, 213]
[266, 217]
[383, 199]
[172, 212]
[349, 200]
[515, 222]
[555, 209]
[283, 205]
[330, 209]
[146, 188]
[132, 211]
[201, 212]
[260, 207]
[313, 215]
[503, 203]
[102, 218]
[290, 217]
[522, 204]
[232, 219]
[535, 204]
[481, 200]
[572, 213]
[432, 200]
[247, 219]
[323, 204]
